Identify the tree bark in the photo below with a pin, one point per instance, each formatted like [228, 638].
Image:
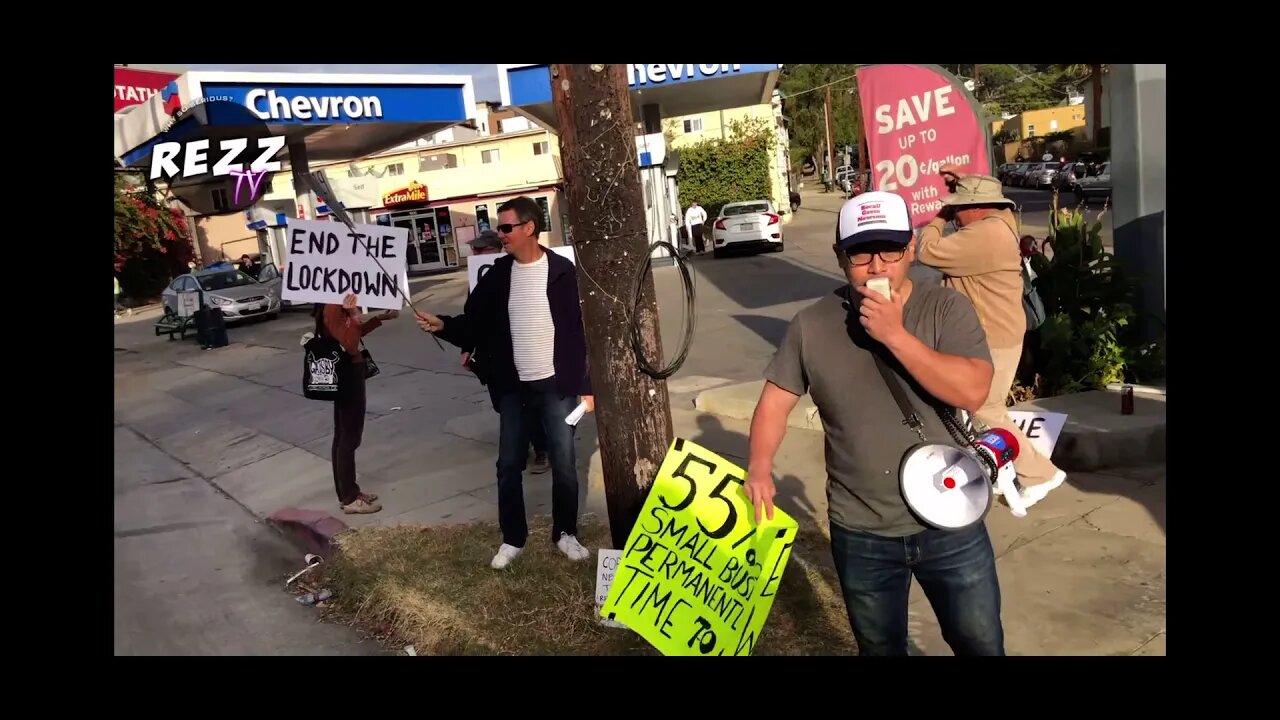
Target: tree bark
[608, 232]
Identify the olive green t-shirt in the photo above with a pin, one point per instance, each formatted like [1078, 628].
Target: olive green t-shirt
[827, 354]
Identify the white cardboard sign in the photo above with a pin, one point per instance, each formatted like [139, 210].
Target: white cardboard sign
[188, 303]
[477, 265]
[1041, 428]
[606, 566]
[325, 261]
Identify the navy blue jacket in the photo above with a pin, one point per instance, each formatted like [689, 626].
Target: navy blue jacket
[484, 328]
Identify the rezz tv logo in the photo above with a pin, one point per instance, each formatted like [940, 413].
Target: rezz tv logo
[217, 157]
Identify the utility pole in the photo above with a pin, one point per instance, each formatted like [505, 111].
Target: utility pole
[1096, 72]
[831, 150]
[860, 134]
[610, 240]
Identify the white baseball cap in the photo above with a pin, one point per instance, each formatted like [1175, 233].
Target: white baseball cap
[873, 216]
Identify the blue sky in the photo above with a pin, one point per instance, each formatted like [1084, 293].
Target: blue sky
[485, 76]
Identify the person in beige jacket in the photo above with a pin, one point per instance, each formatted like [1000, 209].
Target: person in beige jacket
[982, 260]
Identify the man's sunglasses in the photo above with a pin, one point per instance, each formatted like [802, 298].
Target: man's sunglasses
[888, 256]
[506, 228]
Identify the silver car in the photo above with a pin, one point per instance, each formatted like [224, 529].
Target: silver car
[231, 291]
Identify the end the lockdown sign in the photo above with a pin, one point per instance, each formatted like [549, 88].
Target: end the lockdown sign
[325, 261]
[698, 575]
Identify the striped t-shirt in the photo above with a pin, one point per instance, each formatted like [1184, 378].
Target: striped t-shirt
[533, 335]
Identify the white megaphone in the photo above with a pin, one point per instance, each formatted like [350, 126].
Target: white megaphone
[948, 488]
[1002, 446]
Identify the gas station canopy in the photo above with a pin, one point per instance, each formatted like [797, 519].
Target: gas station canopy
[338, 116]
[676, 89]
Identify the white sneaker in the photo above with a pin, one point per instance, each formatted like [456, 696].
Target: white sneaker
[505, 555]
[570, 546]
[1036, 493]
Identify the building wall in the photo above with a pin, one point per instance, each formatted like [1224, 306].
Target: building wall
[517, 170]
[1038, 123]
[224, 237]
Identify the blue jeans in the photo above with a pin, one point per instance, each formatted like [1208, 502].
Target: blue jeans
[536, 402]
[957, 571]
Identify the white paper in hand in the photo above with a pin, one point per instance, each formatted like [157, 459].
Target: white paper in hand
[577, 414]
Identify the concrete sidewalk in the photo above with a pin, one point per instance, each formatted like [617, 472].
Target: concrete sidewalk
[1083, 574]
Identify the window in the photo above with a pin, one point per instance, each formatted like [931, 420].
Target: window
[395, 169]
[1031, 131]
[546, 214]
[693, 125]
[219, 197]
[541, 148]
[225, 279]
[489, 157]
[482, 218]
[268, 273]
[731, 210]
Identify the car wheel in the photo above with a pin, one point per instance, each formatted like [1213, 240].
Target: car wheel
[718, 253]
[777, 247]
[273, 316]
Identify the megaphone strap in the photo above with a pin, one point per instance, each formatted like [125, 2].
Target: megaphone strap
[909, 416]
[960, 435]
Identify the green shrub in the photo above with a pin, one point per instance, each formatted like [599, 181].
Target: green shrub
[1089, 338]
[716, 172]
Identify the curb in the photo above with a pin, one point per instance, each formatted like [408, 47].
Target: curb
[1087, 451]
[312, 531]
[739, 401]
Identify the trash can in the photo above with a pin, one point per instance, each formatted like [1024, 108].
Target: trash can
[211, 328]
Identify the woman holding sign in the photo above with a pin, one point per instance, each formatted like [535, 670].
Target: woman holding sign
[343, 323]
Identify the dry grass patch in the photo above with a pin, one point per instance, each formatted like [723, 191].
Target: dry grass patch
[433, 588]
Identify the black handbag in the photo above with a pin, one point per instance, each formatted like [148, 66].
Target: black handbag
[370, 367]
[324, 362]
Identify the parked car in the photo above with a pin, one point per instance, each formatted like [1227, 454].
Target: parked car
[1069, 175]
[231, 291]
[751, 225]
[1013, 176]
[1095, 186]
[1041, 174]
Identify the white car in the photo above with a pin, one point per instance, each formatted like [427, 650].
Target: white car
[751, 225]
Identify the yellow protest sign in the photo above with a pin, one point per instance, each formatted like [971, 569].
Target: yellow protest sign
[698, 575]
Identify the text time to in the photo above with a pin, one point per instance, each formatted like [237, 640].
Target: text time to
[698, 575]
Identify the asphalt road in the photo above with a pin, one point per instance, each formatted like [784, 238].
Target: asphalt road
[1035, 206]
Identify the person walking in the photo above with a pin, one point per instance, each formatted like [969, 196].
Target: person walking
[343, 323]
[983, 261]
[695, 219]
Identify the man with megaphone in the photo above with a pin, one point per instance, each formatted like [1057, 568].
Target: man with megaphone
[843, 351]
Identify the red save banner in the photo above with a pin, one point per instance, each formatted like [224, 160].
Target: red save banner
[135, 86]
[918, 118]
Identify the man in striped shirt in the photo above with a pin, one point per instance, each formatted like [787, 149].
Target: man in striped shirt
[523, 328]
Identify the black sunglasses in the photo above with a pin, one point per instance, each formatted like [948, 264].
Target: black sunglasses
[506, 228]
